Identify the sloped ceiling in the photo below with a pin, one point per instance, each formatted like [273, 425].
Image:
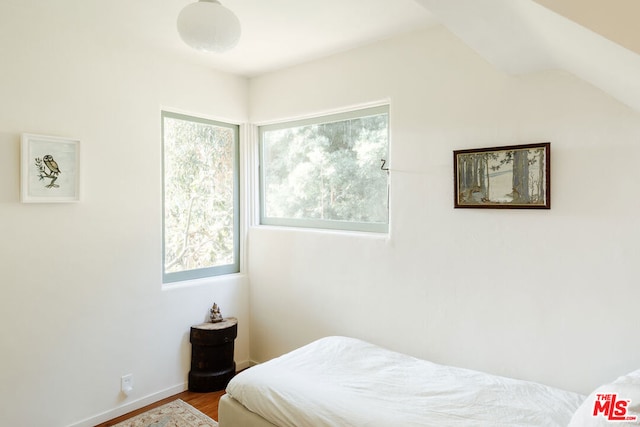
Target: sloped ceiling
[616, 20]
[522, 36]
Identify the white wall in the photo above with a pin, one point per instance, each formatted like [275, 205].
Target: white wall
[81, 299]
[549, 296]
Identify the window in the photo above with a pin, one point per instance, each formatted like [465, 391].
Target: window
[326, 172]
[200, 203]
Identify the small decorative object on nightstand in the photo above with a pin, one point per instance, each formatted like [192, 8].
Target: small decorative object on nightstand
[212, 343]
[216, 314]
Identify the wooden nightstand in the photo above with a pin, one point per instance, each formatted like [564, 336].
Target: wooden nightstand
[212, 364]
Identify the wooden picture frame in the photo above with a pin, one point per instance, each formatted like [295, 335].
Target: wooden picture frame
[50, 169]
[508, 177]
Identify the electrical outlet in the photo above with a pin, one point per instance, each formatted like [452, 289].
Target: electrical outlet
[126, 383]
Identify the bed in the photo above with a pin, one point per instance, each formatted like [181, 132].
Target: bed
[340, 381]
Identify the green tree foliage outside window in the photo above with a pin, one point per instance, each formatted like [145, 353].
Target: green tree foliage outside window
[200, 168]
[326, 172]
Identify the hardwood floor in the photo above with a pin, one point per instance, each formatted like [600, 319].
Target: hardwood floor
[206, 403]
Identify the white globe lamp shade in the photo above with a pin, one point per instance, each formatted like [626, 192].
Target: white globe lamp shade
[208, 26]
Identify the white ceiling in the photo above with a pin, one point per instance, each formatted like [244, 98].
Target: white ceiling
[275, 33]
[516, 36]
[281, 33]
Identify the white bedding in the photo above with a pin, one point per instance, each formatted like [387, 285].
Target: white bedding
[338, 381]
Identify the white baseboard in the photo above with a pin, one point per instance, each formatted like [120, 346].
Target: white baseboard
[144, 401]
[131, 406]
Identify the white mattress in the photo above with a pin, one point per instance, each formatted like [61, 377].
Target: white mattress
[338, 381]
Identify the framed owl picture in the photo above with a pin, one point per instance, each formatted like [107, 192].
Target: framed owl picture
[50, 169]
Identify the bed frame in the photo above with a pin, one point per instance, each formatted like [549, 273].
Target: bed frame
[231, 413]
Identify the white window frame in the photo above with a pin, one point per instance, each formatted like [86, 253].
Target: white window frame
[373, 227]
[234, 267]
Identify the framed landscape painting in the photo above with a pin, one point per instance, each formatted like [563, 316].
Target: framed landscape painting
[50, 169]
[509, 177]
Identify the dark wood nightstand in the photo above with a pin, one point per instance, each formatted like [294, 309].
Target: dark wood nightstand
[212, 364]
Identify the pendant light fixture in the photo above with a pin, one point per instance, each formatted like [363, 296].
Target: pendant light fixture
[208, 26]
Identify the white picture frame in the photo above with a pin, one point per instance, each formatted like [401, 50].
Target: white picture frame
[50, 169]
